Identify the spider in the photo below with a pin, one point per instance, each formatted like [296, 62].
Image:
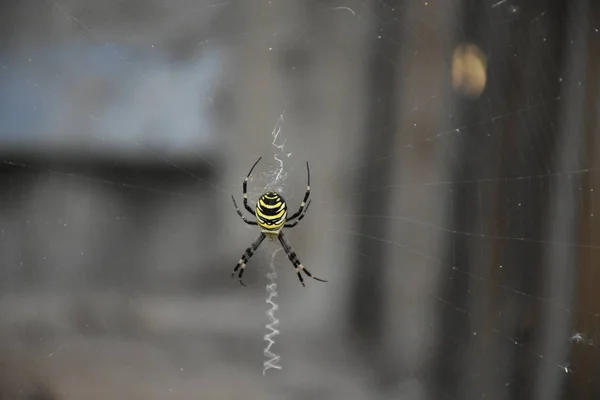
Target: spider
[271, 216]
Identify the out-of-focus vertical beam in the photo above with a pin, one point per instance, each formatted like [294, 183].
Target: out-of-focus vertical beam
[560, 259]
[585, 358]
[366, 305]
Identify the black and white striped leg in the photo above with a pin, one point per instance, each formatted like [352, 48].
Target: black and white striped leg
[294, 259]
[245, 187]
[293, 224]
[242, 215]
[303, 204]
[241, 265]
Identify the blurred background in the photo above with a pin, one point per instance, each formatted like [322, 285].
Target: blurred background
[454, 153]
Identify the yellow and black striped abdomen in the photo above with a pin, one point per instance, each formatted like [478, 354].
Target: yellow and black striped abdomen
[271, 211]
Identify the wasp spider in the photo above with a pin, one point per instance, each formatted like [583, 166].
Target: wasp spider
[271, 216]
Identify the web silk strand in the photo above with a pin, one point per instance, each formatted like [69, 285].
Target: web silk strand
[272, 358]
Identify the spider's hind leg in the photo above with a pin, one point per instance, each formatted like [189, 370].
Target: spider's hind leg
[294, 259]
[246, 256]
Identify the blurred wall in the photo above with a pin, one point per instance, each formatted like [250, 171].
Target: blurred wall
[127, 126]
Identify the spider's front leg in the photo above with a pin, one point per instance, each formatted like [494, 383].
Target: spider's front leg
[246, 256]
[294, 259]
[246, 220]
[245, 187]
[294, 223]
[303, 205]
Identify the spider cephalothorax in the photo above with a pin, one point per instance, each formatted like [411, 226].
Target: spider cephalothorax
[271, 216]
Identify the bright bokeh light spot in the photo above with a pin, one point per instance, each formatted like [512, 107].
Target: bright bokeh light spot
[469, 70]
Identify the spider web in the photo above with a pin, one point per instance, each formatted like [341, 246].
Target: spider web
[128, 125]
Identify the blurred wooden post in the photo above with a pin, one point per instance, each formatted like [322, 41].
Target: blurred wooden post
[560, 259]
[583, 383]
[380, 128]
[477, 343]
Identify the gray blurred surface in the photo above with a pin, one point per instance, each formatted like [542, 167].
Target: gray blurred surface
[127, 125]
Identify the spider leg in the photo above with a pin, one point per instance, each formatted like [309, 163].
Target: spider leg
[242, 215]
[293, 224]
[245, 187]
[299, 212]
[246, 256]
[294, 259]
